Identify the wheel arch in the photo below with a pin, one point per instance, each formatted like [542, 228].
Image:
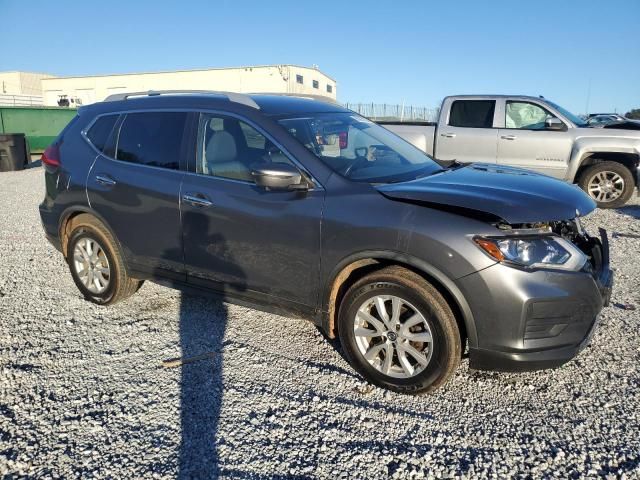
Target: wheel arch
[65, 223]
[586, 155]
[354, 267]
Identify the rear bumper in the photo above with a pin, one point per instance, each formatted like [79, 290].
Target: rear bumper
[535, 320]
[55, 241]
[49, 221]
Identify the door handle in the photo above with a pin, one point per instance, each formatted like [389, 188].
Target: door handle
[105, 180]
[508, 137]
[197, 200]
[448, 135]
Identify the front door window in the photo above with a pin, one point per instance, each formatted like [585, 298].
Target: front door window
[526, 116]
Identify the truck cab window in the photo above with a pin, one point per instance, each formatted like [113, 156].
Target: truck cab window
[525, 116]
[472, 113]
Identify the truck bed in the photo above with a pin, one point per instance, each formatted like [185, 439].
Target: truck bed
[420, 134]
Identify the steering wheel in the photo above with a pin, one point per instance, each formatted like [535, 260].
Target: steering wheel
[359, 161]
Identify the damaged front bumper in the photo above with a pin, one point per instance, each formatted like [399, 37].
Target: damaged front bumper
[536, 319]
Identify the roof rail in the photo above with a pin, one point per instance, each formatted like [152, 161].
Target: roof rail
[308, 96]
[232, 96]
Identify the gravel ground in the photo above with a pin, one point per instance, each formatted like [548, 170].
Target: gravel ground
[84, 393]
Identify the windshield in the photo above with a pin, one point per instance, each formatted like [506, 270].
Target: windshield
[574, 118]
[358, 149]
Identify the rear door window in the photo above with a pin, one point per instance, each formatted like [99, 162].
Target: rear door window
[472, 113]
[152, 138]
[100, 131]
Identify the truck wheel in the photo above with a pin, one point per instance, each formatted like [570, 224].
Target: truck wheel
[609, 184]
[399, 332]
[96, 264]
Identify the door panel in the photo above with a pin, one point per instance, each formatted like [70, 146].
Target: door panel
[141, 206]
[467, 144]
[525, 142]
[241, 238]
[468, 135]
[137, 191]
[251, 240]
[546, 152]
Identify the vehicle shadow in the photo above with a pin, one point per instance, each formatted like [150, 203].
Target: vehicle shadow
[630, 210]
[202, 325]
[202, 328]
[33, 164]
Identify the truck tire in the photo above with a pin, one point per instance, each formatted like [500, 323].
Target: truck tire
[96, 263]
[399, 332]
[609, 184]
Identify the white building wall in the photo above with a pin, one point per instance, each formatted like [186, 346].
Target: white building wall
[271, 79]
[21, 83]
[307, 86]
[10, 83]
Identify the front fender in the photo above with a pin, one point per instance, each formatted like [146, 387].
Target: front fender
[429, 271]
[585, 147]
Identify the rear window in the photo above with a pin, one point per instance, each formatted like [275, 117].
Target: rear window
[152, 138]
[472, 113]
[100, 131]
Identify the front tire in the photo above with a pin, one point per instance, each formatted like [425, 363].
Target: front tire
[609, 184]
[399, 332]
[96, 264]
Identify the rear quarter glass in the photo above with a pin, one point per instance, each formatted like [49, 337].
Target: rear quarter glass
[100, 131]
[76, 156]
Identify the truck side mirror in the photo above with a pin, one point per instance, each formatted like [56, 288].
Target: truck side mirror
[554, 124]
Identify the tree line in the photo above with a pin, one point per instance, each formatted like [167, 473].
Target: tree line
[633, 114]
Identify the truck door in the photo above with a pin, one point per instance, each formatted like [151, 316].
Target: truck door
[526, 142]
[467, 135]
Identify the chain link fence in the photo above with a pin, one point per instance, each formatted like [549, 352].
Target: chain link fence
[390, 112]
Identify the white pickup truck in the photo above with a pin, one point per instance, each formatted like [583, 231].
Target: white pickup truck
[532, 133]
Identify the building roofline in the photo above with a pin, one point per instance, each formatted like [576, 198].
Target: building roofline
[188, 70]
[24, 71]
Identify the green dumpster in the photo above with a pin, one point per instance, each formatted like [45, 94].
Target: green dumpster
[41, 125]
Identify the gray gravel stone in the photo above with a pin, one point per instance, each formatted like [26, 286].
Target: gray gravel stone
[83, 392]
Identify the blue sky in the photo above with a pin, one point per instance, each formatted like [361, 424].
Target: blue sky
[378, 51]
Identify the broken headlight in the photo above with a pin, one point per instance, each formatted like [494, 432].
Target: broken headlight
[544, 251]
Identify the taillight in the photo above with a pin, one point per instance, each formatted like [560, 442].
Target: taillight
[51, 156]
[343, 138]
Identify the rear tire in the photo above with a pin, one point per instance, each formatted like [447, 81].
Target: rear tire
[414, 346]
[609, 184]
[96, 263]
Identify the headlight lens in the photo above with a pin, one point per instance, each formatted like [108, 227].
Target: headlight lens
[546, 251]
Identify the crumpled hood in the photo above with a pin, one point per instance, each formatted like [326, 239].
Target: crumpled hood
[513, 194]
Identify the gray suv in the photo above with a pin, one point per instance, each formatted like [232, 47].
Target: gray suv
[306, 209]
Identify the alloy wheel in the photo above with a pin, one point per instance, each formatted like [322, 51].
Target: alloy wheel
[393, 336]
[605, 186]
[91, 265]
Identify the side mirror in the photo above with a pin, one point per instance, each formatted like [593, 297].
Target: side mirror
[554, 124]
[279, 176]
